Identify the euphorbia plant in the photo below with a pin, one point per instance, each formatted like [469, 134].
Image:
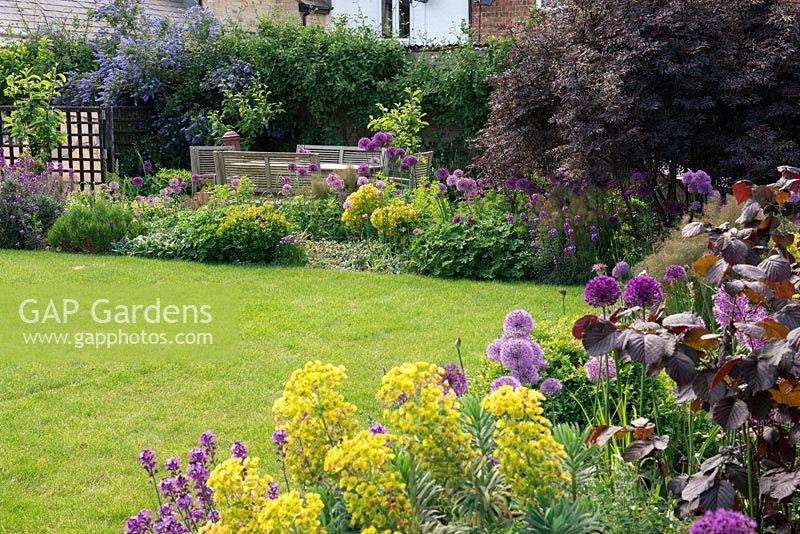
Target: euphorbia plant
[746, 375]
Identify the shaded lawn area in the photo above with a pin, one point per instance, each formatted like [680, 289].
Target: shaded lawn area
[72, 428]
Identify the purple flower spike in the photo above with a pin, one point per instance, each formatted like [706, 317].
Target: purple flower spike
[377, 428]
[238, 450]
[148, 460]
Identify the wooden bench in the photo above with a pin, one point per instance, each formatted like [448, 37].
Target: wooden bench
[265, 169]
[203, 165]
[342, 155]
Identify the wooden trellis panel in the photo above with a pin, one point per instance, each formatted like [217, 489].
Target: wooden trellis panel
[96, 137]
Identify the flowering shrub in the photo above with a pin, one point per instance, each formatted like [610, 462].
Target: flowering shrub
[372, 485]
[314, 416]
[359, 206]
[422, 407]
[395, 221]
[528, 455]
[251, 502]
[30, 202]
[252, 233]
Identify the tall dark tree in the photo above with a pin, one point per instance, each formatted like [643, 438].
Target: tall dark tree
[611, 87]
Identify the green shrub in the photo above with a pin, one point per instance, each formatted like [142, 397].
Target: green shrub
[484, 249]
[93, 227]
[252, 233]
[320, 218]
[189, 235]
[361, 255]
[155, 182]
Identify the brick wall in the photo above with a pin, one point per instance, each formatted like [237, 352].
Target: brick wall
[247, 12]
[498, 19]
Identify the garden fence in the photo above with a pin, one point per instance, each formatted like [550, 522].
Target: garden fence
[97, 137]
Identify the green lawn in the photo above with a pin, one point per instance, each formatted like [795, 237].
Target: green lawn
[73, 426]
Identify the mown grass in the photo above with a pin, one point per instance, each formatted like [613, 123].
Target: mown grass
[70, 429]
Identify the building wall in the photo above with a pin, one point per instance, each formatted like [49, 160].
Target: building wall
[247, 12]
[500, 18]
[434, 22]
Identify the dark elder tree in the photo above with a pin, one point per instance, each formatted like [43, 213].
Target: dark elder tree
[609, 88]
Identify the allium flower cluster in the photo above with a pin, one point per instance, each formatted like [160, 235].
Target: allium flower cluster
[601, 291]
[723, 522]
[621, 270]
[728, 309]
[335, 182]
[522, 356]
[698, 182]
[378, 141]
[675, 273]
[455, 379]
[598, 367]
[643, 291]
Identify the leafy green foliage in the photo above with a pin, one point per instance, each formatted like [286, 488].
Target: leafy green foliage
[320, 218]
[249, 113]
[92, 227]
[404, 121]
[559, 515]
[484, 249]
[33, 121]
[25, 216]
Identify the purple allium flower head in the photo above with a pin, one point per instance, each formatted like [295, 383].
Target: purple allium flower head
[493, 350]
[457, 219]
[238, 450]
[137, 181]
[363, 142]
[362, 170]
[596, 368]
[380, 185]
[410, 160]
[335, 182]
[286, 189]
[728, 309]
[601, 291]
[195, 178]
[451, 180]
[550, 386]
[147, 166]
[347, 205]
[516, 353]
[377, 428]
[505, 381]
[302, 171]
[148, 460]
[441, 173]
[674, 273]
[312, 167]
[235, 183]
[362, 180]
[172, 464]
[644, 291]
[518, 323]
[621, 270]
[695, 205]
[113, 185]
[698, 182]
[455, 379]
[723, 521]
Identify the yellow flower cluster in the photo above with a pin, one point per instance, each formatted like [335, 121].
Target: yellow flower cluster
[316, 417]
[372, 487]
[427, 419]
[395, 221]
[242, 499]
[364, 201]
[529, 456]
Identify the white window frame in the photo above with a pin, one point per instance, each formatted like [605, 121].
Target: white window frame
[396, 21]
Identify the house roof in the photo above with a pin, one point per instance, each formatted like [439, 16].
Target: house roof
[17, 17]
